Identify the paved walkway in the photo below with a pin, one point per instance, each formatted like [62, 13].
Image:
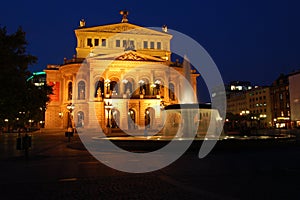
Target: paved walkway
[55, 171]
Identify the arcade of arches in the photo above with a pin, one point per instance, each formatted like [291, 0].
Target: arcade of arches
[130, 92]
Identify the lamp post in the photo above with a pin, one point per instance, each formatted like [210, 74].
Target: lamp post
[70, 108]
[262, 117]
[30, 122]
[108, 106]
[244, 117]
[7, 128]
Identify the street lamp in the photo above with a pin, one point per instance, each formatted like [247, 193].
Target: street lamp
[30, 122]
[70, 108]
[108, 106]
[6, 120]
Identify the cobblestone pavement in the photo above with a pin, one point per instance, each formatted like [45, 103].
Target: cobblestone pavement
[55, 171]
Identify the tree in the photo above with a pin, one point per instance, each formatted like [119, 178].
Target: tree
[35, 102]
[16, 96]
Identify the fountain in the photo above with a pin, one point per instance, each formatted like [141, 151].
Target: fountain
[184, 125]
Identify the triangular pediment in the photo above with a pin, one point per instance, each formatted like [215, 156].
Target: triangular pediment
[128, 56]
[123, 28]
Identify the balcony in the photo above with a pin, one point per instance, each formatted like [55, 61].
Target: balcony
[128, 97]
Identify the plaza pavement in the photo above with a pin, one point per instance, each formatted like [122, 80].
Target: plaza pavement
[57, 169]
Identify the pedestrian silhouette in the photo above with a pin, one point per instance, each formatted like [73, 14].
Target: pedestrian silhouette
[26, 145]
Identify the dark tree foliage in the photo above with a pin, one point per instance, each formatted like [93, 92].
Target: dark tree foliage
[16, 95]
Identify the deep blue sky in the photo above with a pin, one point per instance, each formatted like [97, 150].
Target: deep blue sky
[252, 40]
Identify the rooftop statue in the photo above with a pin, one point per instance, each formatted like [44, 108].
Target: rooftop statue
[125, 13]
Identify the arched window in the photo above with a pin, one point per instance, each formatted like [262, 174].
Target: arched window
[128, 87]
[171, 91]
[70, 91]
[81, 90]
[149, 117]
[80, 119]
[144, 86]
[99, 89]
[159, 87]
[114, 87]
[115, 118]
[131, 119]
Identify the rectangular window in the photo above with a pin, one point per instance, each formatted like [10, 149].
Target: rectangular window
[118, 43]
[124, 43]
[96, 41]
[89, 42]
[151, 45]
[103, 42]
[145, 44]
[158, 45]
[131, 44]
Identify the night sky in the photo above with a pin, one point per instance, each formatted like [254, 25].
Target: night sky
[251, 40]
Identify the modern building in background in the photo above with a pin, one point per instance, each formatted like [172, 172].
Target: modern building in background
[121, 77]
[37, 78]
[277, 105]
[238, 86]
[260, 106]
[237, 102]
[294, 89]
[253, 104]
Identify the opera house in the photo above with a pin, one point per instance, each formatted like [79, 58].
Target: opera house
[122, 73]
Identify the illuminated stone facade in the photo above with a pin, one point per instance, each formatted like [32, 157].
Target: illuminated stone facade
[121, 77]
